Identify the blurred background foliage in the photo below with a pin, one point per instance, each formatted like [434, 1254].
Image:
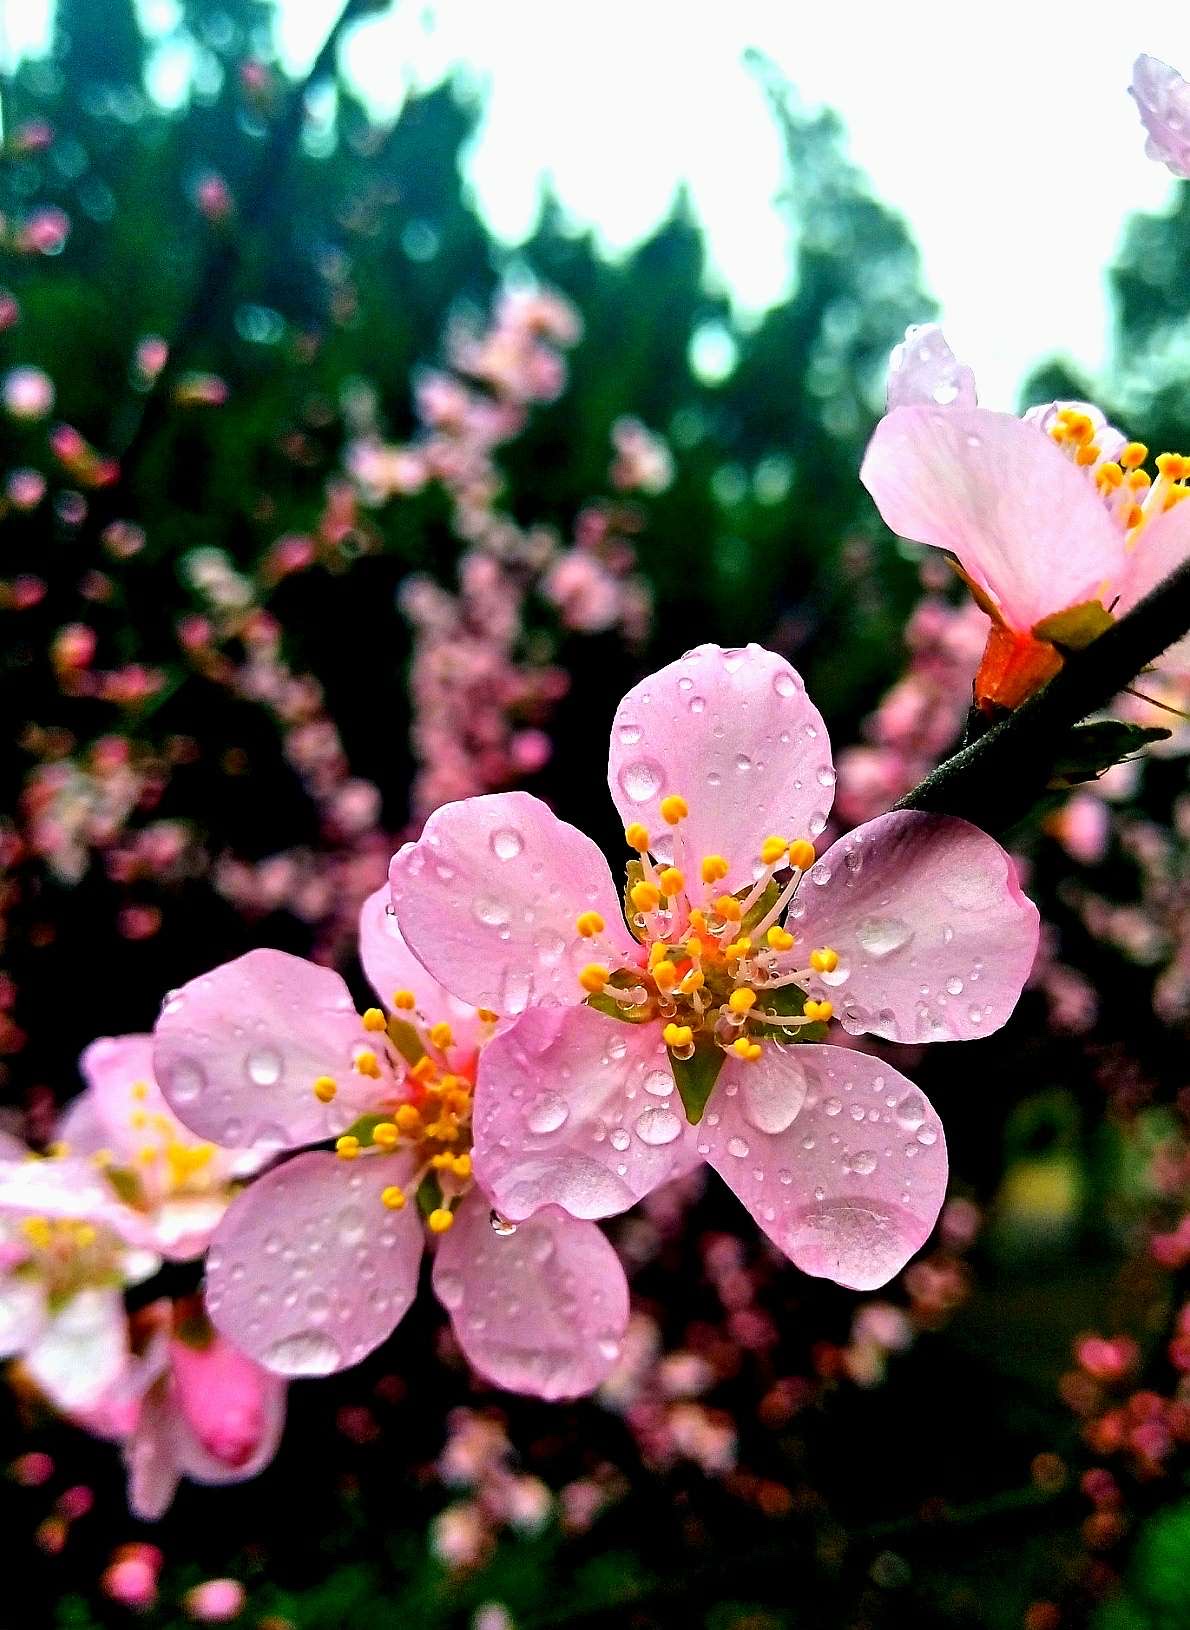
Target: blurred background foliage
[343, 252]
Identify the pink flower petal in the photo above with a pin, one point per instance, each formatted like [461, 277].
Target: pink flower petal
[923, 371]
[229, 1413]
[935, 937]
[1024, 523]
[315, 1231]
[111, 1067]
[541, 1311]
[238, 1051]
[391, 966]
[734, 733]
[82, 1349]
[849, 1180]
[575, 1109]
[1163, 99]
[488, 896]
[151, 1459]
[70, 1187]
[1160, 549]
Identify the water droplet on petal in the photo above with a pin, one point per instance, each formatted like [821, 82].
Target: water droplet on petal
[784, 683]
[863, 1163]
[641, 780]
[881, 936]
[506, 843]
[185, 1080]
[911, 1111]
[449, 1288]
[737, 1147]
[264, 1065]
[306, 1352]
[658, 1126]
[629, 734]
[660, 1083]
[546, 1114]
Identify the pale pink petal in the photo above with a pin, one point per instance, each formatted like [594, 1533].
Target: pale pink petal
[23, 1313]
[112, 1067]
[542, 1310]
[838, 1157]
[734, 733]
[1162, 546]
[230, 1412]
[1107, 437]
[575, 1109]
[488, 896]
[150, 1458]
[309, 1271]
[923, 371]
[391, 966]
[935, 937]
[69, 1187]
[1023, 522]
[239, 1049]
[82, 1349]
[1163, 98]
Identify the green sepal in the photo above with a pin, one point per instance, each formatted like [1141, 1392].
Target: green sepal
[766, 902]
[789, 999]
[622, 979]
[1090, 749]
[429, 1195]
[364, 1127]
[127, 1186]
[695, 1077]
[406, 1040]
[1076, 627]
[193, 1328]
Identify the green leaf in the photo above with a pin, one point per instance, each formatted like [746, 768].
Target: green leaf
[406, 1040]
[1090, 749]
[694, 1078]
[1076, 627]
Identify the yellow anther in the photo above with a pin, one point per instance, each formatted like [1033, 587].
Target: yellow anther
[1109, 476]
[407, 1118]
[818, 1010]
[374, 1019]
[780, 939]
[37, 1231]
[347, 1147]
[658, 952]
[594, 977]
[802, 854]
[1087, 455]
[589, 923]
[636, 837]
[461, 1165]
[393, 1197]
[742, 1000]
[671, 880]
[84, 1234]
[677, 1035]
[1175, 496]
[674, 809]
[367, 1063]
[714, 868]
[139, 1089]
[1173, 466]
[698, 922]
[743, 1048]
[440, 1161]
[1139, 480]
[440, 1220]
[738, 948]
[486, 1016]
[405, 1000]
[1078, 426]
[728, 908]
[665, 975]
[444, 1131]
[424, 1070]
[385, 1134]
[1134, 455]
[645, 896]
[57, 1150]
[441, 1035]
[103, 1157]
[693, 947]
[825, 960]
[773, 849]
[1134, 517]
[148, 1154]
[692, 981]
[325, 1089]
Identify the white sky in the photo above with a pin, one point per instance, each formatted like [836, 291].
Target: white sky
[1003, 133]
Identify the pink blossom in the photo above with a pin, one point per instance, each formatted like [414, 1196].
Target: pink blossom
[1163, 100]
[271, 1049]
[915, 924]
[131, 1581]
[1050, 516]
[28, 393]
[216, 1601]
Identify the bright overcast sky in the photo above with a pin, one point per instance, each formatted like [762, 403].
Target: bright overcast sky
[1003, 133]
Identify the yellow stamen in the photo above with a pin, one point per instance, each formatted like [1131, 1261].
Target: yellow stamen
[407, 1118]
[441, 1035]
[692, 981]
[743, 1048]
[818, 1010]
[1134, 455]
[714, 868]
[728, 908]
[772, 849]
[698, 923]
[1087, 455]
[802, 854]
[671, 881]
[461, 1165]
[636, 837]
[367, 1063]
[741, 1000]
[825, 960]
[1139, 481]
[37, 1231]
[84, 1234]
[1175, 496]
[138, 1120]
[147, 1155]
[666, 975]
[674, 809]
[589, 923]
[1173, 466]
[325, 1088]
[393, 1197]
[486, 1015]
[677, 1035]
[405, 1000]
[374, 1019]
[385, 1134]
[424, 1070]
[1109, 477]
[594, 977]
[780, 939]
[645, 896]
[347, 1147]
[440, 1220]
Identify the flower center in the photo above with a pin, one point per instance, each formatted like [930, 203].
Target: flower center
[715, 968]
[425, 1114]
[1132, 496]
[67, 1254]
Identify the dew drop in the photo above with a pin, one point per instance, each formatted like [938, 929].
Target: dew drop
[449, 1290]
[660, 1083]
[506, 843]
[911, 1111]
[351, 1225]
[490, 912]
[784, 683]
[263, 1065]
[881, 936]
[641, 780]
[863, 1163]
[185, 1080]
[832, 1106]
[620, 1139]
[697, 704]
[546, 1114]
[955, 987]
[737, 1147]
[306, 1352]
[658, 1126]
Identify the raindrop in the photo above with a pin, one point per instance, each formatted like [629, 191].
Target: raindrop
[264, 1065]
[546, 1114]
[351, 1225]
[955, 987]
[826, 776]
[832, 1106]
[641, 780]
[306, 1352]
[506, 843]
[660, 1083]
[698, 704]
[490, 912]
[185, 1080]
[737, 1147]
[630, 734]
[784, 683]
[620, 1139]
[881, 936]
[449, 1289]
[658, 1126]
[911, 1111]
[864, 1163]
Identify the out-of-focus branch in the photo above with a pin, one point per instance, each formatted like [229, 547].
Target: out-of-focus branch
[998, 779]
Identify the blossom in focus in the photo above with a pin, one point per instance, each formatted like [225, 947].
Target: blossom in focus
[1163, 100]
[1053, 520]
[316, 1263]
[738, 944]
[187, 1405]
